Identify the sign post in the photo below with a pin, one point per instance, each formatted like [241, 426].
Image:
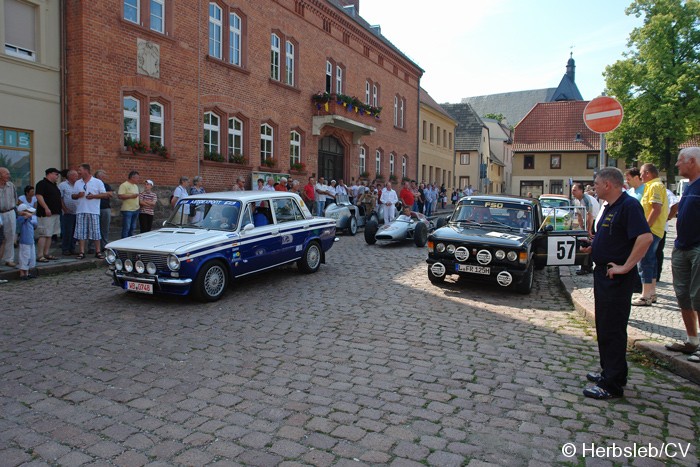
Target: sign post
[602, 115]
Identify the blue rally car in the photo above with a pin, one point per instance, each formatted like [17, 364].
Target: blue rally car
[214, 238]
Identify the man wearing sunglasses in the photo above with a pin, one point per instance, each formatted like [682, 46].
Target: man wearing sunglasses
[88, 191]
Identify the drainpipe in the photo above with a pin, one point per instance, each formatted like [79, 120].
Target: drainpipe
[200, 124]
[62, 86]
[418, 121]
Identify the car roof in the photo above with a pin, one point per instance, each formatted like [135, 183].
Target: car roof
[557, 196]
[244, 196]
[502, 198]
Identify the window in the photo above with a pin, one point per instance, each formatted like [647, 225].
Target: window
[215, 28]
[286, 210]
[275, 57]
[289, 60]
[556, 187]
[444, 138]
[396, 111]
[131, 118]
[591, 161]
[158, 15]
[294, 147]
[211, 133]
[235, 138]
[450, 139]
[329, 77]
[363, 158]
[375, 95]
[20, 30]
[338, 79]
[368, 92]
[425, 130]
[391, 164]
[234, 39]
[378, 162]
[131, 11]
[266, 142]
[439, 136]
[404, 164]
[16, 146]
[402, 105]
[529, 162]
[432, 138]
[555, 161]
[156, 124]
[464, 159]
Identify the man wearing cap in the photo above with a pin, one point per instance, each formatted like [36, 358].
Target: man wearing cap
[25, 226]
[147, 200]
[129, 194]
[48, 198]
[8, 202]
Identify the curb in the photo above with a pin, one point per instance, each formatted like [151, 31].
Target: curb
[45, 270]
[675, 362]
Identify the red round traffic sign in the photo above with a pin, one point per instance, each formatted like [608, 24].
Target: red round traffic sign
[602, 114]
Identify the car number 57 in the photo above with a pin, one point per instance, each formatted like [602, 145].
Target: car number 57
[561, 251]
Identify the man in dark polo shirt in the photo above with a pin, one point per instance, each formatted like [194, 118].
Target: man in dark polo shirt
[48, 210]
[621, 239]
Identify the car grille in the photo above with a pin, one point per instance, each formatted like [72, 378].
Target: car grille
[161, 261]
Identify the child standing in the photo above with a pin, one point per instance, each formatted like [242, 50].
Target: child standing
[26, 221]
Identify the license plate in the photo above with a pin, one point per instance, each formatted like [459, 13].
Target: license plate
[473, 269]
[139, 287]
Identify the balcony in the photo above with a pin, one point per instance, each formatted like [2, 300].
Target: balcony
[346, 113]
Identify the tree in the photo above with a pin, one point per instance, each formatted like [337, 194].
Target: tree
[657, 83]
[498, 117]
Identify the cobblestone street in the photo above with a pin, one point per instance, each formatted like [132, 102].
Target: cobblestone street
[364, 362]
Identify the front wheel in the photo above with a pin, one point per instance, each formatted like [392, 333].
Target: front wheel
[211, 282]
[420, 234]
[370, 232]
[352, 225]
[525, 285]
[311, 260]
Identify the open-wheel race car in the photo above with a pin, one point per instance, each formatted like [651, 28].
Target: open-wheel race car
[414, 226]
[349, 217]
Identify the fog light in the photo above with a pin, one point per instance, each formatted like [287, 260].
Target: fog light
[440, 247]
[512, 256]
[500, 254]
[119, 265]
[451, 249]
[128, 265]
[151, 268]
[140, 267]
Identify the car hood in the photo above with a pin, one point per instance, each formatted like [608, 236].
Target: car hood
[494, 236]
[171, 240]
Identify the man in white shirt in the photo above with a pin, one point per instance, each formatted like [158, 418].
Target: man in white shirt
[389, 200]
[332, 191]
[88, 191]
[321, 192]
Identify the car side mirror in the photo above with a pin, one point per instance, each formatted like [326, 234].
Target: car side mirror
[248, 227]
[164, 222]
[549, 228]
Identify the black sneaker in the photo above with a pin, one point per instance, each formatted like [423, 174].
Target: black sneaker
[596, 392]
[594, 377]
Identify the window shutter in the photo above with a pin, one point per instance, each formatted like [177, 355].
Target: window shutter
[20, 24]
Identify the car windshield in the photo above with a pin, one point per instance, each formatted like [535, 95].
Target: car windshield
[494, 214]
[554, 202]
[206, 214]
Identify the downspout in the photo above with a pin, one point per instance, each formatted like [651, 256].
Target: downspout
[200, 124]
[418, 121]
[62, 84]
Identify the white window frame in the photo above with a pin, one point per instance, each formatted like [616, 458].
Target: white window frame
[403, 167]
[233, 133]
[401, 112]
[329, 77]
[289, 63]
[158, 120]
[161, 18]
[396, 111]
[338, 79]
[275, 56]
[235, 39]
[465, 159]
[378, 162]
[132, 115]
[132, 5]
[375, 95]
[391, 164]
[294, 147]
[215, 30]
[267, 142]
[210, 129]
[363, 160]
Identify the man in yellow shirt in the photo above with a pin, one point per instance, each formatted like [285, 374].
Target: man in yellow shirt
[655, 204]
[129, 195]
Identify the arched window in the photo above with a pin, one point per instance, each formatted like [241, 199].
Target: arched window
[234, 39]
[378, 162]
[294, 147]
[403, 167]
[266, 142]
[131, 118]
[156, 123]
[391, 164]
[289, 60]
[235, 137]
[275, 57]
[215, 29]
[211, 133]
[363, 160]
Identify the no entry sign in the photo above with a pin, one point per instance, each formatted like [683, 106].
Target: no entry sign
[602, 114]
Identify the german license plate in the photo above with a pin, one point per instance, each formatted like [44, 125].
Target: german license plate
[473, 269]
[139, 287]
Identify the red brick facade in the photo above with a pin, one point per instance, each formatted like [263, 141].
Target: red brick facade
[102, 68]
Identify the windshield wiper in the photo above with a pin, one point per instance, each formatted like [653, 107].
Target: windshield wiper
[501, 224]
[469, 221]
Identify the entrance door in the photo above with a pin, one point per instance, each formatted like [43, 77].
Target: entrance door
[330, 159]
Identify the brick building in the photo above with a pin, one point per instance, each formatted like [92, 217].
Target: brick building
[223, 89]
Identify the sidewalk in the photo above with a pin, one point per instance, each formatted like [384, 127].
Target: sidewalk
[649, 327]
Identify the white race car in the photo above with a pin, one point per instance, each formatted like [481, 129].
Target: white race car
[414, 227]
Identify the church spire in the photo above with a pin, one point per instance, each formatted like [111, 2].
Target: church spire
[571, 68]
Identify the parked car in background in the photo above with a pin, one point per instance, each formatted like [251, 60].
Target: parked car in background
[214, 238]
[557, 211]
[349, 217]
[414, 227]
[500, 239]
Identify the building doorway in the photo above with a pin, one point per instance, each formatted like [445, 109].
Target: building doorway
[331, 158]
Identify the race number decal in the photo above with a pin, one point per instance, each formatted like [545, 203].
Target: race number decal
[561, 251]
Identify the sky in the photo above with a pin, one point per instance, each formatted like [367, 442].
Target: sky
[478, 47]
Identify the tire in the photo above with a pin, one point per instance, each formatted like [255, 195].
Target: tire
[435, 279]
[352, 226]
[211, 282]
[441, 222]
[311, 260]
[420, 234]
[373, 217]
[370, 232]
[525, 285]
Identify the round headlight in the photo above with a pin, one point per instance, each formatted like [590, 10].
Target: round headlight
[110, 255]
[440, 247]
[128, 265]
[512, 256]
[173, 262]
[118, 264]
[451, 249]
[140, 267]
[151, 268]
[500, 254]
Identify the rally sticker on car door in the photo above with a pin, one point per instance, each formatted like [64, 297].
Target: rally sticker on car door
[561, 251]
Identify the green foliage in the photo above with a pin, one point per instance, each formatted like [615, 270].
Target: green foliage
[213, 156]
[497, 117]
[657, 82]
